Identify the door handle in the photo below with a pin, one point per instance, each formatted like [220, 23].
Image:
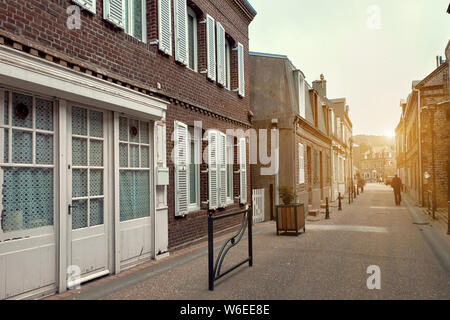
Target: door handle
[70, 209]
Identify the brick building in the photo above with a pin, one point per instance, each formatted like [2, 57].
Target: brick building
[95, 103]
[423, 137]
[282, 99]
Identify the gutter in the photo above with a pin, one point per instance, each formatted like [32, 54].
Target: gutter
[419, 116]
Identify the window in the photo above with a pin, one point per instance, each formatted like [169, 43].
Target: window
[192, 40]
[227, 65]
[194, 171]
[301, 163]
[27, 160]
[230, 164]
[301, 96]
[134, 161]
[135, 19]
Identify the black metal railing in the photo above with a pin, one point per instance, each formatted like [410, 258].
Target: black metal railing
[215, 270]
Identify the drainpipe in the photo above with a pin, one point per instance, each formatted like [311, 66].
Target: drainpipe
[419, 115]
[293, 156]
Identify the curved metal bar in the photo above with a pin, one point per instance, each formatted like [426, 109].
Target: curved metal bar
[234, 241]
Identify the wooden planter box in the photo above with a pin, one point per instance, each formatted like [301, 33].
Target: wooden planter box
[290, 219]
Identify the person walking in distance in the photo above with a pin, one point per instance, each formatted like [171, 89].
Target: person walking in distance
[397, 186]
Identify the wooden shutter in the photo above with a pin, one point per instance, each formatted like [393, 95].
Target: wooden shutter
[221, 65]
[241, 70]
[181, 31]
[113, 11]
[211, 47]
[301, 163]
[181, 169]
[213, 176]
[243, 169]
[222, 170]
[89, 5]
[165, 26]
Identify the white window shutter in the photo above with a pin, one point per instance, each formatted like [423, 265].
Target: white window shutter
[89, 5]
[243, 169]
[181, 31]
[213, 176]
[241, 70]
[301, 163]
[221, 66]
[165, 26]
[211, 47]
[181, 169]
[223, 170]
[113, 11]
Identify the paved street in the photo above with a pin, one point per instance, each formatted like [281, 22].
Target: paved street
[328, 262]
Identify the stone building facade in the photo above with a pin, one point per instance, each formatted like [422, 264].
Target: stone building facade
[282, 99]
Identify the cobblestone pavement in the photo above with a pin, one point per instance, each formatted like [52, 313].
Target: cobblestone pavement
[329, 261]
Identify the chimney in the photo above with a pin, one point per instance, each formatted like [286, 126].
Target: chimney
[447, 49]
[321, 86]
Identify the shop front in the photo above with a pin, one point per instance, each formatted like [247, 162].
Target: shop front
[78, 157]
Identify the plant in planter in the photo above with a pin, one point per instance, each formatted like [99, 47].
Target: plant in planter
[290, 216]
[287, 195]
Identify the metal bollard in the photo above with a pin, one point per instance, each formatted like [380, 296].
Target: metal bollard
[349, 195]
[327, 211]
[340, 202]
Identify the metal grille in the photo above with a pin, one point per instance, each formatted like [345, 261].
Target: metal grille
[88, 168]
[134, 180]
[27, 171]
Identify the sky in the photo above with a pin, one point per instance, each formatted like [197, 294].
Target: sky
[369, 51]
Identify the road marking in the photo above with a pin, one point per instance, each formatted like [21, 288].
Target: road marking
[390, 208]
[346, 228]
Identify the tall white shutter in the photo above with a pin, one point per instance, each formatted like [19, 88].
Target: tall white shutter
[301, 163]
[243, 169]
[213, 176]
[241, 70]
[181, 31]
[181, 168]
[221, 66]
[88, 5]
[113, 11]
[165, 26]
[223, 169]
[211, 47]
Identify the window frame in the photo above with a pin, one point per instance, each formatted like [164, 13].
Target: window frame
[197, 153]
[227, 64]
[128, 14]
[50, 229]
[230, 172]
[191, 13]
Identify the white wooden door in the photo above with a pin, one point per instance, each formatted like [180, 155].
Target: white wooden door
[258, 205]
[134, 191]
[89, 208]
[28, 184]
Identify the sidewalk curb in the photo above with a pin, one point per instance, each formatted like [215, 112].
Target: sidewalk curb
[437, 245]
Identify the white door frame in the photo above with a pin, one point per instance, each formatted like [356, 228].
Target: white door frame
[117, 223]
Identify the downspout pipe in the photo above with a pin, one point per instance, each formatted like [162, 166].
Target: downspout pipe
[419, 123]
